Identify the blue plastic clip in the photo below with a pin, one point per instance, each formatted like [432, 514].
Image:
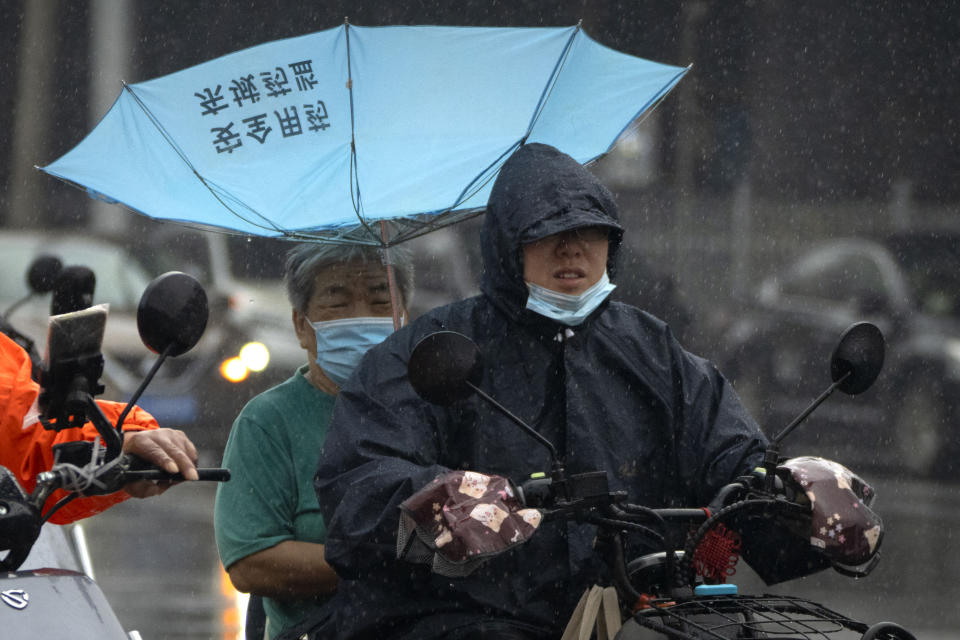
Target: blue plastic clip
[715, 590]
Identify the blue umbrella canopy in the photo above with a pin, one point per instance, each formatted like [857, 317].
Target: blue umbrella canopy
[368, 135]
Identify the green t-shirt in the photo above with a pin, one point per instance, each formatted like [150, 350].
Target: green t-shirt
[272, 455]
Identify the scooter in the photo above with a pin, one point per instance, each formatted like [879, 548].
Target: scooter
[678, 588]
[66, 603]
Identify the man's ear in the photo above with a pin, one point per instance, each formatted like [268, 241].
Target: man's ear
[304, 330]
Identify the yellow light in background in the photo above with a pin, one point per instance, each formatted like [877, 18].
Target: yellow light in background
[255, 356]
[234, 370]
[233, 618]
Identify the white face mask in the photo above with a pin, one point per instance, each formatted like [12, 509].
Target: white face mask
[342, 343]
[567, 309]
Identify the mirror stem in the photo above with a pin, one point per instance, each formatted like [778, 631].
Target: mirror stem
[16, 305]
[143, 385]
[111, 438]
[517, 421]
[806, 412]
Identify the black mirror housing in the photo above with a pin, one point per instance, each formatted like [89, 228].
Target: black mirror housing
[859, 356]
[442, 366]
[172, 314]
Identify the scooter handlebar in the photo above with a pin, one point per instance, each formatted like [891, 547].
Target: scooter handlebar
[214, 474]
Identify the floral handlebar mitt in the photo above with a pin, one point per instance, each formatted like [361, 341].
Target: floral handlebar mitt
[460, 519]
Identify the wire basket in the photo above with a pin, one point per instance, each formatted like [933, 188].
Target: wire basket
[734, 617]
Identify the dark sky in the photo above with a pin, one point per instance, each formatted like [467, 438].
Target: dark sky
[813, 100]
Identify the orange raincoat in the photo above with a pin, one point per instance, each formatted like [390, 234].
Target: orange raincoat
[26, 447]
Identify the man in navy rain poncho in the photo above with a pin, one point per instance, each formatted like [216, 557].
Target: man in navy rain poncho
[605, 382]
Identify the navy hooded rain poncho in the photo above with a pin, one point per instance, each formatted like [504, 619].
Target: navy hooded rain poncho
[617, 393]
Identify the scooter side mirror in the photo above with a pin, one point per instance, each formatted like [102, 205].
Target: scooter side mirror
[859, 356]
[42, 273]
[854, 366]
[443, 366]
[42, 276]
[172, 314]
[446, 367]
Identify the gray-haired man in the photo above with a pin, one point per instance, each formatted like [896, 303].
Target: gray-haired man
[268, 525]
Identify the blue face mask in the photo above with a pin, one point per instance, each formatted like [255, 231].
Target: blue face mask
[565, 308]
[342, 343]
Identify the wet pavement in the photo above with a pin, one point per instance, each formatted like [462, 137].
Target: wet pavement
[156, 561]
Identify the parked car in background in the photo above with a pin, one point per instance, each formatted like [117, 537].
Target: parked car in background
[909, 285]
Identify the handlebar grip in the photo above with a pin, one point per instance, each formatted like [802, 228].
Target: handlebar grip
[214, 474]
[536, 492]
[209, 474]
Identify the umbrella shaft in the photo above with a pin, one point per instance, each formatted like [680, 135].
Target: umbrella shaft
[391, 279]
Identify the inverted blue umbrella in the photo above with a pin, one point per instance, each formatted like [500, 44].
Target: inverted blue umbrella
[370, 135]
[324, 136]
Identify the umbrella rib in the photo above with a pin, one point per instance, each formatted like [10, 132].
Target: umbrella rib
[537, 111]
[473, 184]
[355, 198]
[266, 224]
[438, 223]
[552, 81]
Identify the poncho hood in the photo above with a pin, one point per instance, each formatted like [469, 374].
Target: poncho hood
[540, 191]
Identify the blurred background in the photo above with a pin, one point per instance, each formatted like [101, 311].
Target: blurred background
[805, 175]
